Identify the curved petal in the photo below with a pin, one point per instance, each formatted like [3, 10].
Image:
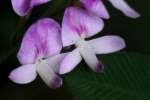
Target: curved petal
[70, 61]
[89, 56]
[38, 2]
[97, 7]
[124, 8]
[107, 44]
[78, 22]
[54, 61]
[24, 74]
[21, 7]
[47, 74]
[44, 40]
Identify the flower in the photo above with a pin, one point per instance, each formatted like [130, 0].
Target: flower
[23, 7]
[39, 54]
[98, 8]
[78, 24]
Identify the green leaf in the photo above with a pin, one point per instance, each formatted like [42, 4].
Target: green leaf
[126, 77]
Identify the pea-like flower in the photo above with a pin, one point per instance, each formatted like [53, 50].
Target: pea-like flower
[78, 24]
[39, 54]
[98, 8]
[23, 7]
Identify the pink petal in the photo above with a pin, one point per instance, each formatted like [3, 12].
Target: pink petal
[89, 56]
[24, 74]
[48, 75]
[96, 7]
[107, 44]
[78, 22]
[40, 41]
[70, 61]
[125, 8]
[23, 7]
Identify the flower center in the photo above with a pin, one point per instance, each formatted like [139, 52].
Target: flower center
[80, 42]
[40, 59]
[82, 36]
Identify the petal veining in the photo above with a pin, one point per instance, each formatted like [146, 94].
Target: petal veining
[44, 40]
[77, 22]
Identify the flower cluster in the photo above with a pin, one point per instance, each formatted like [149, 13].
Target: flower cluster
[40, 51]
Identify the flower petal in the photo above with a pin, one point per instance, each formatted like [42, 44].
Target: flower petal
[44, 40]
[97, 7]
[54, 61]
[24, 74]
[21, 7]
[78, 22]
[125, 8]
[70, 61]
[38, 2]
[89, 56]
[107, 44]
[47, 74]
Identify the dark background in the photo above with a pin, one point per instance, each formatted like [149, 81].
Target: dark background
[135, 31]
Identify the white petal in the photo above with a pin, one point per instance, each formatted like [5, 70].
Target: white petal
[70, 61]
[24, 74]
[125, 8]
[54, 61]
[107, 44]
[89, 56]
[47, 74]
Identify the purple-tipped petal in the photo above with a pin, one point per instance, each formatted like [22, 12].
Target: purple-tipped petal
[77, 23]
[40, 41]
[124, 8]
[56, 82]
[23, 7]
[70, 61]
[107, 44]
[24, 74]
[96, 7]
[89, 56]
[48, 75]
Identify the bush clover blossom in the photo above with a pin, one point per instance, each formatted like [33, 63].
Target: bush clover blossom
[40, 51]
[98, 8]
[39, 54]
[78, 24]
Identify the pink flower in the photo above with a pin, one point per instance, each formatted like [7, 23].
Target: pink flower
[78, 24]
[39, 54]
[98, 8]
[23, 7]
